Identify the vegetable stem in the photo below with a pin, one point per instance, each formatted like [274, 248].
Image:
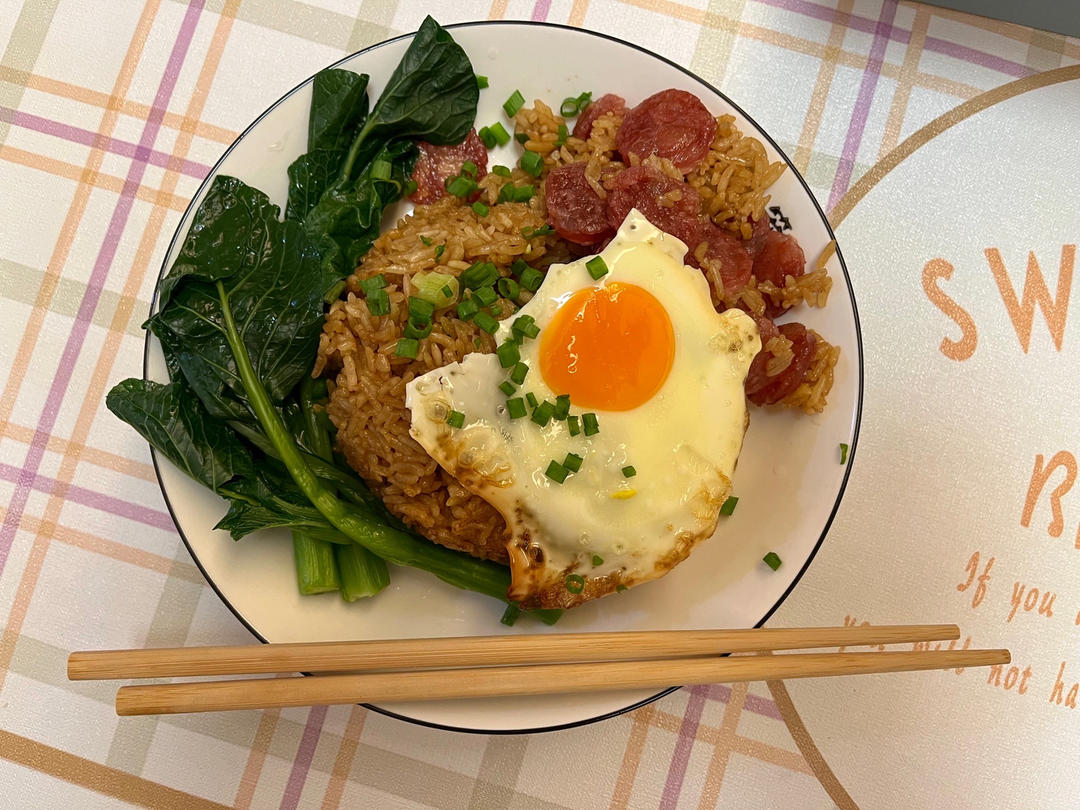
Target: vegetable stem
[316, 570]
[362, 573]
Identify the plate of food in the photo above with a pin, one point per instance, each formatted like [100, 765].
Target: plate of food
[446, 345]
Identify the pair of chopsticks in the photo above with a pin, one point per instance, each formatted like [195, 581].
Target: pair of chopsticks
[494, 666]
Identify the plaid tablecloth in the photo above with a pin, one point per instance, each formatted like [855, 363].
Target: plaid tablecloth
[110, 115]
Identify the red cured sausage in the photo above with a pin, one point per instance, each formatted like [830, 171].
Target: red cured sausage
[780, 256]
[726, 249]
[437, 163]
[762, 389]
[609, 102]
[760, 235]
[644, 188]
[575, 210]
[673, 124]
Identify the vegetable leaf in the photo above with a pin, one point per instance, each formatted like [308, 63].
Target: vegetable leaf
[339, 106]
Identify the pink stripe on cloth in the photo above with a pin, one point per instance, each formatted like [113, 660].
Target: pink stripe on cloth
[981, 58]
[541, 10]
[96, 283]
[862, 104]
[829, 15]
[669, 799]
[87, 497]
[94, 139]
[752, 703]
[305, 753]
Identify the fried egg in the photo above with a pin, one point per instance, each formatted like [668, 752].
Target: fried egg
[655, 382]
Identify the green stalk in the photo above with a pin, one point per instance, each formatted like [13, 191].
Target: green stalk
[362, 573]
[316, 567]
[391, 544]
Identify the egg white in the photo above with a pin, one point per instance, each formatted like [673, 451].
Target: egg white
[684, 442]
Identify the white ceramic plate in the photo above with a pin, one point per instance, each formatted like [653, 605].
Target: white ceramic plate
[789, 480]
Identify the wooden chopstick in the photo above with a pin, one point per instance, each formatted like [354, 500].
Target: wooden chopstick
[352, 656]
[264, 693]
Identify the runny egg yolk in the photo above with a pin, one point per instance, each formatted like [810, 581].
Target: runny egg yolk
[609, 348]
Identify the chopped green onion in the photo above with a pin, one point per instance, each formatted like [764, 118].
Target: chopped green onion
[439, 251]
[370, 285]
[620, 588]
[628, 471]
[500, 170]
[496, 310]
[426, 240]
[564, 133]
[543, 413]
[562, 406]
[556, 471]
[512, 612]
[728, 506]
[522, 137]
[439, 289]
[518, 372]
[461, 186]
[482, 83]
[481, 274]
[575, 583]
[380, 169]
[420, 310]
[416, 331]
[532, 233]
[467, 309]
[573, 424]
[843, 453]
[772, 559]
[589, 424]
[507, 387]
[485, 296]
[572, 462]
[478, 343]
[572, 106]
[506, 193]
[508, 355]
[480, 209]
[597, 267]
[518, 267]
[597, 559]
[523, 193]
[378, 302]
[514, 103]
[531, 399]
[508, 288]
[407, 347]
[469, 168]
[532, 162]
[487, 138]
[486, 322]
[525, 325]
[455, 419]
[410, 188]
[515, 407]
[499, 133]
[531, 279]
[449, 293]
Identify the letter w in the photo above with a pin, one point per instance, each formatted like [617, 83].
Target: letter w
[1022, 312]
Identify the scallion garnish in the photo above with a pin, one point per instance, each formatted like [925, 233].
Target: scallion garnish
[480, 209]
[507, 387]
[467, 309]
[522, 137]
[511, 614]
[575, 583]
[532, 233]
[447, 291]
[589, 424]
[420, 310]
[410, 188]
[531, 279]
[370, 285]
[843, 453]
[597, 560]
[628, 471]
[728, 506]
[514, 103]
[531, 399]
[380, 169]
[562, 406]
[487, 138]
[542, 413]
[469, 168]
[439, 251]
[620, 588]
[508, 288]
[461, 186]
[407, 347]
[508, 355]
[455, 419]
[482, 83]
[532, 162]
[485, 296]
[597, 267]
[500, 171]
[486, 322]
[572, 462]
[523, 193]
[518, 372]
[525, 326]
[416, 331]
[556, 471]
[481, 274]
[426, 240]
[516, 407]
[378, 302]
[564, 133]
[574, 105]
[499, 133]
[772, 559]
[518, 267]
[573, 424]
